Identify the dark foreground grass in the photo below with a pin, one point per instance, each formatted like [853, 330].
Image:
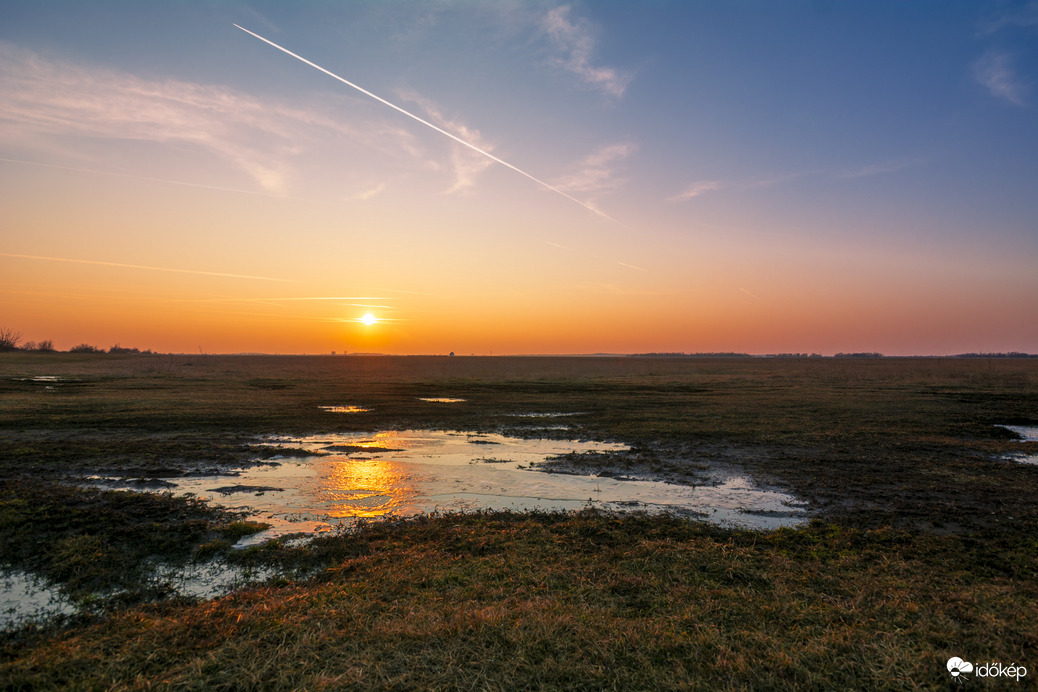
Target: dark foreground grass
[576, 602]
[94, 541]
[926, 549]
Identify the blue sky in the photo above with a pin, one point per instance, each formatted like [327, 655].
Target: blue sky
[771, 176]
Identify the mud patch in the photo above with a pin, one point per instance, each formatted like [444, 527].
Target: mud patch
[249, 489]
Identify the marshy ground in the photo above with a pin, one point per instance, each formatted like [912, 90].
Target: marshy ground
[924, 545]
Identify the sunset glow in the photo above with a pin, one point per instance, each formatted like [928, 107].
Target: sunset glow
[532, 177]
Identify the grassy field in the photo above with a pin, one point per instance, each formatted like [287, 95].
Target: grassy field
[925, 546]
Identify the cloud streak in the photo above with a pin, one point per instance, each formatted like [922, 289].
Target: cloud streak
[428, 124]
[697, 189]
[466, 163]
[143, 267]
[878, 169]
[577, 44]
[49, 103]
[995, 72]
[94, 171]
[596, 172]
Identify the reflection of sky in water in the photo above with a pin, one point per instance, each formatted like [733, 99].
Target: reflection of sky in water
[1029, 433]
[24, 598]
[404, 473]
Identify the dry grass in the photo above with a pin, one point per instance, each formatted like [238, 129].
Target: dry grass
[578, 602]
[928, 549]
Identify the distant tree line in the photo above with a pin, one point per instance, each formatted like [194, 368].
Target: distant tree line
[794, 355]
[867, 354]
[11, 340]
[1011, 354]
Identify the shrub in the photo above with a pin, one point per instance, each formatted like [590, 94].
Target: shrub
[45, 346]
[85, 348]
[9, 339]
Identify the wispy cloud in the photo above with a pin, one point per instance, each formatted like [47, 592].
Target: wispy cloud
[45, 102]
[446, 133]
[995, 71]
[577, 45]
[142, 267]
[877, 168]
[365, 195]
[596, 173]
[696, 189]
[1025, 17]
[466, 163]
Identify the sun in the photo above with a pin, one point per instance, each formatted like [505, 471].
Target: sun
[369, 319]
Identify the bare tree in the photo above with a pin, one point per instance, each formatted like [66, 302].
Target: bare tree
[9, 339]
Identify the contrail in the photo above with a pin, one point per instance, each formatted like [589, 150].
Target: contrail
[140, 266]
[429, 124]
[748, 293]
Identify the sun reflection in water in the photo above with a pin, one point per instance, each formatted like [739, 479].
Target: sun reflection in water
[367, 486]
[355, 476]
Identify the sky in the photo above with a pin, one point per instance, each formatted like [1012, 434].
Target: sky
[521, 177]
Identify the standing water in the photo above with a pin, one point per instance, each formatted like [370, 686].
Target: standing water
[405, 473]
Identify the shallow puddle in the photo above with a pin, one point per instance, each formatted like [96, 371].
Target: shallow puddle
[1029, 433]
[344, 409]
[27, 598]
[212, 579]
[440, 399]
[411, 472]
[531, 414]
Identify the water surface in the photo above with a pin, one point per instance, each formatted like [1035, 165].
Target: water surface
[406, 473]
[1029, 433]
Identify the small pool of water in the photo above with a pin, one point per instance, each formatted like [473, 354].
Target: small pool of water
[344, 409]
[405, 473]
[26, 598]
[1029, 433]
[533, 414]
[440, 400]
